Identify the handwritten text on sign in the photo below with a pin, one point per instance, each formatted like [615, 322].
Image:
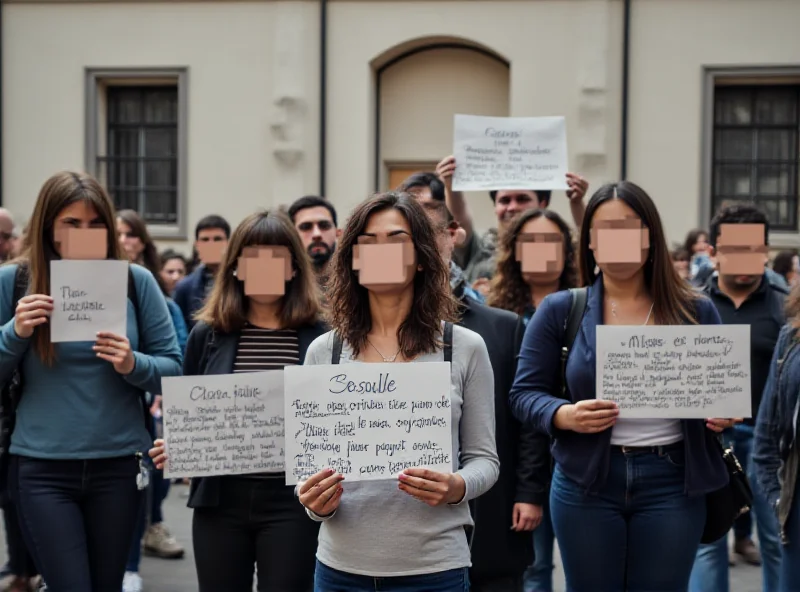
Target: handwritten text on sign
[367, 421]
[88, 296]
[227, 424]
[509, 153]
[676, 372]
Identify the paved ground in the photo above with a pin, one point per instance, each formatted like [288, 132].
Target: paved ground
[179, 576]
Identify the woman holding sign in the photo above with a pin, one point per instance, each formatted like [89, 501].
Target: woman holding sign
[262, 314]
[627, 499]
[76, 469]
[389, 296]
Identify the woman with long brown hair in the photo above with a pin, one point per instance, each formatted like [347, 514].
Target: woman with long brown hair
[379, 529]
[627, 498]
[246, 521]
[80, 419]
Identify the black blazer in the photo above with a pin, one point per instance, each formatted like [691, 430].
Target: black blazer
[498, 551]
[216, 356]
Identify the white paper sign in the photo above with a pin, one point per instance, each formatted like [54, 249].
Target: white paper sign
[509, 153]
[226, 424]
[88, 296]
[675, 372]
[367, 421]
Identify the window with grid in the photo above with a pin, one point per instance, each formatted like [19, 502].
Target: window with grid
[755, 159]
[140, 167]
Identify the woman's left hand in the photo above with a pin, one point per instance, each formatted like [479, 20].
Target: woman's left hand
[719, 425]
[432, 487]
[115, 349]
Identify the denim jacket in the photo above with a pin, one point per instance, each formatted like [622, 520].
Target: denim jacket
[775, 450]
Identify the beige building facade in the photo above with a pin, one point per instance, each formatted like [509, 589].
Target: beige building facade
[184, 109]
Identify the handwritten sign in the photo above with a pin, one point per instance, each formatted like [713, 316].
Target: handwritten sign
[88, 296]
[367, 421]
[227, 424]
[509, 153]
[675, 372]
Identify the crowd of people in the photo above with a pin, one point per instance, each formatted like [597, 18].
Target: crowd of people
[538, 458]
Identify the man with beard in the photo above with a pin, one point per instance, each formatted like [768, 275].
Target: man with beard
[315, 220]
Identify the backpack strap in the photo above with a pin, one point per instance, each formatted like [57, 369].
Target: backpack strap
[134, 298]
[21, 279]
[578, 297]
[336, 354]
[447, 339]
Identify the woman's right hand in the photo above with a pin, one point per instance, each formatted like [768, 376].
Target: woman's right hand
[32, 311]
[587, 417]
[158, 454]
[322, 493]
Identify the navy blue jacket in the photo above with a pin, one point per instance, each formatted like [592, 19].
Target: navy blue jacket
[584, 457]
[190, 295]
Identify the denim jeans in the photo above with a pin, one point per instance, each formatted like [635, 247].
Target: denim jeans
[327, 579]
[539, 576]
[790, 566]
[78, 517]
[20, 561]
[640, 533]
[711, 566]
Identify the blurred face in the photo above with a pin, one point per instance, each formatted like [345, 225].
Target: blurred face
[79, 232]
[682, 267]
[619, 240]
[741, 255]
[132, 245]
[540, 252]
[509, 203]
[701, 246]
[210, 245]
[384, 257]
[174, 270]
[265, 271]
[422, 194]
[318, 233]
[6, 237]
[446, 235]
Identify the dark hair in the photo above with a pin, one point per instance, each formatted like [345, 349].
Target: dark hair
[150, 258]
[420, 331]
[673, 298]
[543, 195]
[312, 201]
[680, 254]
[784, 262]
[440, 209]
[691, 239]
[429, 180]
[212, 222]
[226, 308]
[740, 213]
[169, 255]
[509, 290]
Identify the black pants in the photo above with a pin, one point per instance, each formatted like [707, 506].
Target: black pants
[20, 561]
[77, 517]
[259, 522]
[502, 584]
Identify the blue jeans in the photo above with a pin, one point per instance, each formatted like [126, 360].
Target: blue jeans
[539, 576]
[711, 566]
[790, 566]
[78, 517]
[640, 533]
[327, 579]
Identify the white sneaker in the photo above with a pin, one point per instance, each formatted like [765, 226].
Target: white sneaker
[132, 582]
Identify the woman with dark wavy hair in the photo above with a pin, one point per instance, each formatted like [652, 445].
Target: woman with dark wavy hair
[378, 529]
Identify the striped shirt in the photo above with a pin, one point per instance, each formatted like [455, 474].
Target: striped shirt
[265, 349]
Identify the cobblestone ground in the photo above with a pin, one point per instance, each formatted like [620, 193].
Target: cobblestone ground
[178, 575]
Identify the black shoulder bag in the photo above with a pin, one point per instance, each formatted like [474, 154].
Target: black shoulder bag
[578, 297]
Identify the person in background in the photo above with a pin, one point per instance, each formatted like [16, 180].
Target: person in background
[776, 447]
[499, 554]
[409, 532]
[744, 294]
[700, 262]
[151, 532]
[429, 188]
[315, 219]
[173, 269]
[211, 237]
[80, 422]
[528, 270]
[787, 265]
[680, 260]
[618, 497]
[476, 255]
[6, 235]
[242, 521]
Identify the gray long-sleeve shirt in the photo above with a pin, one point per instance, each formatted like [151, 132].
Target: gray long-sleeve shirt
[379, 530]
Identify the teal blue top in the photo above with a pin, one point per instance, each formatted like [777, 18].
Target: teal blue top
[80, 407]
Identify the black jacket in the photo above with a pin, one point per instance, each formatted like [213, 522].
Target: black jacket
[497, 551]
[205, 355]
